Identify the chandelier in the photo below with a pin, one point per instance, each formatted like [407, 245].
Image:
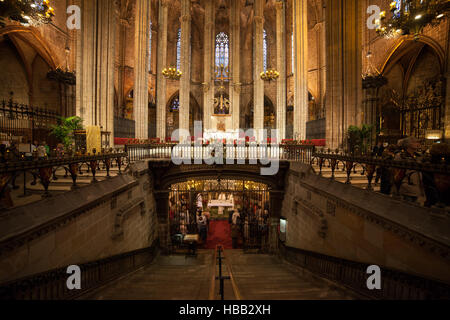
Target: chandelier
[64, 76]
[270, 75]
[372, 78]
[27, 12]
[412, 16]
[172, 73]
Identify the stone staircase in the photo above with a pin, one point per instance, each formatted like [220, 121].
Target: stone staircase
[356, 179]
[63, 183]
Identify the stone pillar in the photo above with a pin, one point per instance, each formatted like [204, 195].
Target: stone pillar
[162, 212]
[141, 68]
[258, 68]
[185, 82]
[321, 35]
[300, 16]
[447, 109]
[344, 63]
[161, 64]
[123, 26]
[95, 64]
[281, 67]
[236, 62]
[276, 202]
[208, 65]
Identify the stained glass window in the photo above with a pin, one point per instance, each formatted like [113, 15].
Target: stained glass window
[179, 50]
[175, 105]
[222, 53]
[265, 50]
[222, 49]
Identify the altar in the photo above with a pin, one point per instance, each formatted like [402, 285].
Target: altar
[221, 203]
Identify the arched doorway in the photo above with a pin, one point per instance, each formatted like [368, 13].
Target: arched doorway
[412, 103]
[173, 114]
[270, 116]
[239, 207]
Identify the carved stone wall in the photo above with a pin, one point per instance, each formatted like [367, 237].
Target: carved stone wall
[101, 220]
[346, 222]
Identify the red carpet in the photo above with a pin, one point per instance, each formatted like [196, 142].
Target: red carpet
[219, 233]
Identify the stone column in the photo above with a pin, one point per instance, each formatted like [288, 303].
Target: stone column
[95, 64]
[447, 109]
[208, 65]
[281, 67]
[258, 68]
[344, 63]
[162, 211]
[276, 202]
[162, 63]
[141, 68]
[121, 69]
[185, 82]
[321, 35]
[236, 62]
[300, 16]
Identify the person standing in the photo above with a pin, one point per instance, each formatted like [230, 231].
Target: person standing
[411, 188]
[41, 151]
[202, 227]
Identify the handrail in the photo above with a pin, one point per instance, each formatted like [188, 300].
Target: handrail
[221, 278]
[46, 169]
[438, 174]
[51, 285]
[302, 153]
[395, 285]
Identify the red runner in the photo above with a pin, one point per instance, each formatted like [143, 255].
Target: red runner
[219, 233]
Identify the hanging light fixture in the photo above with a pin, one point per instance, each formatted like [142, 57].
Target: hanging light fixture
[270, 75]
[412, 16]
[372, 78]
[27, 12]
[172, 73]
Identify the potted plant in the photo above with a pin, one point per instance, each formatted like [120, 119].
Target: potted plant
[353, 138]
[65, 128]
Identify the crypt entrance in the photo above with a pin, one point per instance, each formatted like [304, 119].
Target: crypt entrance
[219, 210]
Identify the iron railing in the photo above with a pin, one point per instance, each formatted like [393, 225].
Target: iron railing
[20, 120]
[45, 171]
[395, 285]
[302, 153]
[435, 176]
[51, 285]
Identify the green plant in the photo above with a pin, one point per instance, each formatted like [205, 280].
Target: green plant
[63, 131]
[358, 139]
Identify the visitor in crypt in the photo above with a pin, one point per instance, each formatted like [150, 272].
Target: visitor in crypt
[411, 188]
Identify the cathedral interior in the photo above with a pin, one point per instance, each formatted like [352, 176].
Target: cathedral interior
[248, 149]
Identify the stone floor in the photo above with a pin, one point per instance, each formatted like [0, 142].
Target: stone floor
[176, 277]
[254, 277]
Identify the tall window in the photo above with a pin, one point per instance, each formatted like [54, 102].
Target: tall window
[400, 8]
[222, 53]
[222, 50]
[150, 48]
[179, 50]
[175, 105]
[265, 50]
[292, 53]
